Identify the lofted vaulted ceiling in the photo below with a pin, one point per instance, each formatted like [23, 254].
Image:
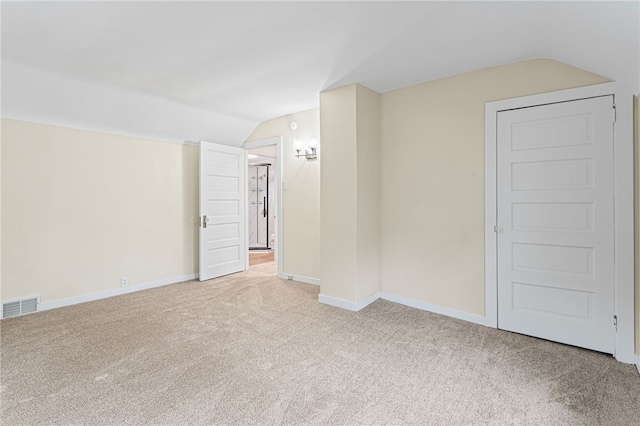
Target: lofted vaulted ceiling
[214, 70]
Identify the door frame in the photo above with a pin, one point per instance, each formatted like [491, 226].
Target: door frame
[277, 141]
[623, 203]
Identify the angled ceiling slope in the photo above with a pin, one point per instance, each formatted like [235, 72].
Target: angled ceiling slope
[214, 70]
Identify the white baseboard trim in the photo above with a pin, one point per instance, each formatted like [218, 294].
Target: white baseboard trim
[300, 278]
[638, 363]
[44, 306]
[356, 306]
[345, 304]
[424, 306]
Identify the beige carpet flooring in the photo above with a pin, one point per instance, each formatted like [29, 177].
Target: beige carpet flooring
[253, 349]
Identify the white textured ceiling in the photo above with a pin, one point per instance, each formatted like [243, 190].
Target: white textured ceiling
[245, 62]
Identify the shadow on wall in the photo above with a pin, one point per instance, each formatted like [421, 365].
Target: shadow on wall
[190, 201]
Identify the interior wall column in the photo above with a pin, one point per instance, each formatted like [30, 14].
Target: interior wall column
[350, 188]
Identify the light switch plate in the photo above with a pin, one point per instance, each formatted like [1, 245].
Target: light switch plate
[284, 184]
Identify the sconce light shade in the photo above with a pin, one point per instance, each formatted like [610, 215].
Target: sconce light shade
[310, 152]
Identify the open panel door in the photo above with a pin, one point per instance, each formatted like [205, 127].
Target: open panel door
[223, 243]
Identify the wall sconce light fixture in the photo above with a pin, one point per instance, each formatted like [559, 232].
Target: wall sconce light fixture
[310, 152]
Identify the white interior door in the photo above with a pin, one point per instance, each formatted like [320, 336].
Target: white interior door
[223, 244]
[556, 222]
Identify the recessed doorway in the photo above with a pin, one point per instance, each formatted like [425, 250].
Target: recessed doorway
[264, 203]
[261, 201]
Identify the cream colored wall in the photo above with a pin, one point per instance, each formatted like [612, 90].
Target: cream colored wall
[350, 127]
[368, 192]
[301, 201]
[82, 209]
[432, 178]
[339, 193]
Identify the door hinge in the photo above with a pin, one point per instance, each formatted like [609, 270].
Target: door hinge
[613, 113]
[496, 229]
[204, 221]
[615, 323]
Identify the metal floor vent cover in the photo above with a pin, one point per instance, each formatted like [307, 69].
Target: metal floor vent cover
[18, 307]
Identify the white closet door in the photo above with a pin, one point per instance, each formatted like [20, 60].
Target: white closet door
[555, 218]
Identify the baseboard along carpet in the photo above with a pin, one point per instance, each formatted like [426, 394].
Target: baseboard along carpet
[251, 348]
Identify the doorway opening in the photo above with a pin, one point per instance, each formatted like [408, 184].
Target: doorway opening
[264, 204]
[261, 202]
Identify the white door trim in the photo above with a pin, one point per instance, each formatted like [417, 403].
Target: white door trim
[623, 195]
[277, 141]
